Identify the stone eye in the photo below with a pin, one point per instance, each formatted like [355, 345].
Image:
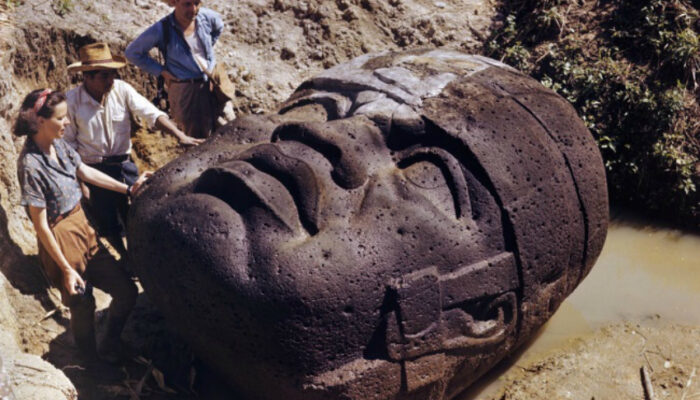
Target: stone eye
[432, 184]
[439, 177]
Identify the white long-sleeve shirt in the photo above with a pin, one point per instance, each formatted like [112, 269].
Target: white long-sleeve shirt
[97, 130]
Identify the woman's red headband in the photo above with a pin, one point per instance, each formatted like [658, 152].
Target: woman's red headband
[41, 100]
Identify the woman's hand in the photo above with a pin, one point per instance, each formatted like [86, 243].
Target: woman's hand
[72, 281]
[98, 178]
[136, 187]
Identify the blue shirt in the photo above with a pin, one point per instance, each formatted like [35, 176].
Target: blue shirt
[46, 183]
[179, 59]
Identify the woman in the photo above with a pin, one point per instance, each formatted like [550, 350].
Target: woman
[49, 172]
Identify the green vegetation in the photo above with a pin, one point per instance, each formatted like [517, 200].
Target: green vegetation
[63, 7]
[10, 4]
[630, 68]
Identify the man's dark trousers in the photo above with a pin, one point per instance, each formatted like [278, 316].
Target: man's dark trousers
[108, 207]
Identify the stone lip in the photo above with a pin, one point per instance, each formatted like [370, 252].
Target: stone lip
[401, 224]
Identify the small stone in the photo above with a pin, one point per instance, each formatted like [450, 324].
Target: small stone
[287, 53]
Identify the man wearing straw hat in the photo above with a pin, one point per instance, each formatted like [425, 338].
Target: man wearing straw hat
[100, 112]
[198, 86]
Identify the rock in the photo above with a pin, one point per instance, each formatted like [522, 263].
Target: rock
[402, 223]
[5, 388]
[30, 377]
[287, 53]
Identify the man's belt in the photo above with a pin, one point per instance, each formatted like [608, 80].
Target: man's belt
[191, 80]
[118, 159]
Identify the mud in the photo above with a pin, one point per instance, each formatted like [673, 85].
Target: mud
[607, 364]
[645, 279]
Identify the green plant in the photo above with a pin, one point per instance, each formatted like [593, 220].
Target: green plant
[10, 4]
[629, 68]
[63, 7]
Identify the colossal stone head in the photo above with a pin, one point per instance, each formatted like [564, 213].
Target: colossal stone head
[399, 225]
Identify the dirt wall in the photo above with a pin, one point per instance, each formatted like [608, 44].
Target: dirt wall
[268, 46]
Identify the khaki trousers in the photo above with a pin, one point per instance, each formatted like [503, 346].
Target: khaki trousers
[193, 107]
[78, 242]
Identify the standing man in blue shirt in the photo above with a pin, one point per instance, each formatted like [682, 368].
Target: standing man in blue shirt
[186, 38]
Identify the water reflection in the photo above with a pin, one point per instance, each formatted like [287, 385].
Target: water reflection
[642, 273]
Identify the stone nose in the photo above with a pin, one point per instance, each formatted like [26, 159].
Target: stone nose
[354, 146]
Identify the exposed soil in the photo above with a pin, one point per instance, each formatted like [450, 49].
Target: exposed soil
[269, 47]
[152, 150]
[607, 365]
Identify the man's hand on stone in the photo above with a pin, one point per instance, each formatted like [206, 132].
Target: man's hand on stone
[190, 141]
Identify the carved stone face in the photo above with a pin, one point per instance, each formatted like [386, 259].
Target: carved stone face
[402, 223]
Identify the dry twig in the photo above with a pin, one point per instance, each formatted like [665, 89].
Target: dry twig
[139, 387]
[46, 316]
[78, 367]
[647, 360]
[688, 383]
[160, 380]
[29, 367]
[646, 382]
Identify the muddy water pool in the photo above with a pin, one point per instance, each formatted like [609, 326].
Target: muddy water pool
[644, 274]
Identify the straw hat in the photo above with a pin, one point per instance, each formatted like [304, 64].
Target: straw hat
[96, 56]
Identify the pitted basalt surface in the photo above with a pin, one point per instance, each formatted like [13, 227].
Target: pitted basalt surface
[403, 222]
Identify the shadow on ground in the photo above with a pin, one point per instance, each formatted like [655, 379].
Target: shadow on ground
[159, 365]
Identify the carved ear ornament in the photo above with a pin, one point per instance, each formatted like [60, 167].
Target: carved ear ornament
[474, 306]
